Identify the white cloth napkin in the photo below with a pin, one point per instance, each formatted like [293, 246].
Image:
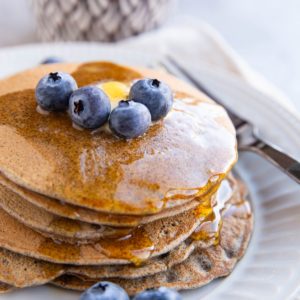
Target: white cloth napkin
[199, 43]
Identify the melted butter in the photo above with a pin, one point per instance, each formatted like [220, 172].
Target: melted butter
[116, 91]
[173, 160]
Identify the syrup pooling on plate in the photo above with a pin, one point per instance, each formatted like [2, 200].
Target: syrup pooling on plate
[104, 173]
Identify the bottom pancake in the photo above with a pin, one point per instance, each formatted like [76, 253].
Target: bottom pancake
[4, 288]
[22, 271]
[200, 268]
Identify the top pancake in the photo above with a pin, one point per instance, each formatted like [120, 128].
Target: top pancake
[182, 156]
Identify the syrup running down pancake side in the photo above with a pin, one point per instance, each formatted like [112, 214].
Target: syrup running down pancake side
[136, 246]
[209, 260]
[184, 156]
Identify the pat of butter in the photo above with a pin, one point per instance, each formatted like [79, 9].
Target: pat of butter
[116, 91]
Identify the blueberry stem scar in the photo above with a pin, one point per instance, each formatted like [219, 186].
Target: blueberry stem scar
[78, 107]
[54, 76]
[102, 286]
[124, 102]
[155, 82]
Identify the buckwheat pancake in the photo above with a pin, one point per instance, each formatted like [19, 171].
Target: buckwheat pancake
[64, 229]
[221, 255]
[21, 271]
[142, 243]
[203, 266]
[59, 228]
[73, 212]
[4, 288]
[52, 225]
[179, 158]
[234, 205]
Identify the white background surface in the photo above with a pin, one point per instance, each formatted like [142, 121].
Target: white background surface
[266, 33]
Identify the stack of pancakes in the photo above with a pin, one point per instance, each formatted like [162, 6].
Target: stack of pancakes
[77, 207]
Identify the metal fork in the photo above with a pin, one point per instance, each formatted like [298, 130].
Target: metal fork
[247, 136]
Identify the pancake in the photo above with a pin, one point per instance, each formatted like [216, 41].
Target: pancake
[203, 266]
[60, 228]
[148, 241]
[176, 256]
[144, 242]
[98, 171]
[64, 229]
[4, 288]
[52, 225]
[77, 207]
[70, 211]
[21, 271]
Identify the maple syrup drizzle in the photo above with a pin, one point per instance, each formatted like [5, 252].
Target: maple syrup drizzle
[87, 169]
[136, 246]
[213, 215]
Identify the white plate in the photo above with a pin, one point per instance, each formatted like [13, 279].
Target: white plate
[270, 267]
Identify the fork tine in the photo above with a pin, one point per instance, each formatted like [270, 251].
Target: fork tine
[175, 68]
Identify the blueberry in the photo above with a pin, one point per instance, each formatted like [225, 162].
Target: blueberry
[54, 90]
[155, 94]
[89, 107]
[104, 291]
[51, 60]
[129, 119]
[162, 293]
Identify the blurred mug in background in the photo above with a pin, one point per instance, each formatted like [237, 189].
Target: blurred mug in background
[97, 20]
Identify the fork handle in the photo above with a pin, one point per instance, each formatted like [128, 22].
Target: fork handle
[289, 165]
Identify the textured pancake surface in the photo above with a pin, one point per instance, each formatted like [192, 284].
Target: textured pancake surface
[73, 212]
[77, 232]
[99, 171]
[147, 241]
[22, 271]
[4, 288]
[49, 224]
[68, 230]
[198, 269]
[79, 206]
